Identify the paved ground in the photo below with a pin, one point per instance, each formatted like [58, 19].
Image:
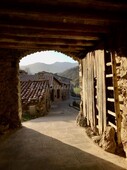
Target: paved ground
[55, 142]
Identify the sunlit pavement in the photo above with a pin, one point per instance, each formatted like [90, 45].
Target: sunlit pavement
[55, 142]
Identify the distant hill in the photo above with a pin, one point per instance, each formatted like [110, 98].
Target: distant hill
[73, 74]
[57, 67]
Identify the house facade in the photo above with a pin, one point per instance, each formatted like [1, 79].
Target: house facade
[59, 86]
[39, 90]
[65, 86]
[35, 97]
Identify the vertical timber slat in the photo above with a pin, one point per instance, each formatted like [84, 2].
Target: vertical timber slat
[101, 92]
[87, 82]
[94, 69]
[85, 108]
[116, 103]
[104, 94]
[93, 93]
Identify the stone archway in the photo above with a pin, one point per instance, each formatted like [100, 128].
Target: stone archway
[10, 100]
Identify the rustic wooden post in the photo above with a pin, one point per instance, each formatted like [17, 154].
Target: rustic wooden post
[101, 91]
[116, 103]
[104, 95]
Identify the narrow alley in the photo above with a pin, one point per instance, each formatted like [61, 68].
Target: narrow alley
[55, 142]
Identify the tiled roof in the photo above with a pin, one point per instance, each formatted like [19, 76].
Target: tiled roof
[26, 77]
[61, 79]
[46, 76]
[33, 90]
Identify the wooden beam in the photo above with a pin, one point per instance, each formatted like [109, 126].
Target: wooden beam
[42, 23]
[111, 124]
[46, 25]
[52, 34]
[30, 46]
[45, 41]
[116, 98]
[111, 113]
[59, 11]
[103, 4]
[56, 18]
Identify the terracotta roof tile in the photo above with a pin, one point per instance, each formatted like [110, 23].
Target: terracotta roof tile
[46, 76]
[33, 90]
[26, 77]
[61, 79]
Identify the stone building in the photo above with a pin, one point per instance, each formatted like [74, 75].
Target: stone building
[63, 89]
[59, 86]
[35, 97]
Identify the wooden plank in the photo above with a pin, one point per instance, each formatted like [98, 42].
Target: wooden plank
[93, 104]
[89, 93]
[84, 61]
[31, 48]
[104, 92]
[47, 41]
[96, 97]
[75, 4]
[99, 89]
[92, 69]
[90, 101]
[108, 64]
[116, 104]
[110, 88]
[100, 92]
[111, 124]
[111, 113]
[97, 117]
[87, 88]
[17, 26]
[91, 87]
[109, 75]
[57, 12]
[110, 99]
[38, 33]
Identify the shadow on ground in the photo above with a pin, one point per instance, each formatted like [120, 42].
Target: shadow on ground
[26, 149]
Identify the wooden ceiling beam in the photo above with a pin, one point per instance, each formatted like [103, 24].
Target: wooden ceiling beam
[52, 34]
[103, 4]
[16, 26]
[63, 11]
[40, 47]
[64, 18]
[47, 41]
[74, 26]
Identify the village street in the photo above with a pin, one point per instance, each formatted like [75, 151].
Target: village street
[55, 142]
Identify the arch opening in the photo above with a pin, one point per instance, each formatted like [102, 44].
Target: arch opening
[44, 78]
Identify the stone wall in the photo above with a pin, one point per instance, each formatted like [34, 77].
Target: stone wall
[122, 85]
[40, 107]
[57, 90]
[10, 106]
[43, 106]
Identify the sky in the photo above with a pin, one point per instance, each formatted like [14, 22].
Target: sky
[47, 57]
